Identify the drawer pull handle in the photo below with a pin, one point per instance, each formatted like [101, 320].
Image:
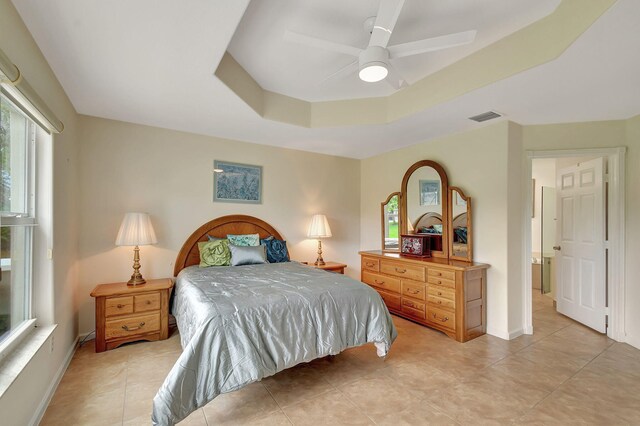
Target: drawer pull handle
[444, 319]
[439, 281]
[379, 282]
[411, 291]
[120, 306]
[438, 274]
[127, 328]
[439, 293]
[370, 264]
[410, 304]
[439, 302]
[401, 271]
[148, 302]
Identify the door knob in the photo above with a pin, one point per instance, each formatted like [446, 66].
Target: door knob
[557, 248]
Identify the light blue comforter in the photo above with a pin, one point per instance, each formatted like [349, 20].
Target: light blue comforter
[242, 323]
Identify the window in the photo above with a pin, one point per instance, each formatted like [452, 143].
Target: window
[17, 222]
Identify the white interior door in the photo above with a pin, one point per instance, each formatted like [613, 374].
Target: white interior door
[580, 255]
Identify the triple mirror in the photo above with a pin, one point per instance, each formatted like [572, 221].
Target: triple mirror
[427, 205]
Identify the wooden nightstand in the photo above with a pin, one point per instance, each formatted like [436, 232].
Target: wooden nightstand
[336, 267]
[127, 313]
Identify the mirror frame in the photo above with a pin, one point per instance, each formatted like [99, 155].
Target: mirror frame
[445, 203]
[469, 256]
[384, 203]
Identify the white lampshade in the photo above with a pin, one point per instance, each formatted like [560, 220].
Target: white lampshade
[319, 227]
[136, 230]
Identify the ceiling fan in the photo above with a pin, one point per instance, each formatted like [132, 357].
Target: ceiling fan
[373, 62]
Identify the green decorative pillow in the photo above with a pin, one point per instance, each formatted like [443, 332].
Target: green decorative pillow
[214, 253]
[244, 240]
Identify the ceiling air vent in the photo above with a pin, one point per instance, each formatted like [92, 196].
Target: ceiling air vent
[485, 116]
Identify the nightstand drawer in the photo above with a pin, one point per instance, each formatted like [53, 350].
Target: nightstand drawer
[132, 326]
[118, 306]
[146, 302]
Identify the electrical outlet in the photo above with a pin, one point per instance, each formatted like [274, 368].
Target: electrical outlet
[51, 347]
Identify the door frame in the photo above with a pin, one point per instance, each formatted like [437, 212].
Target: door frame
[615, 159]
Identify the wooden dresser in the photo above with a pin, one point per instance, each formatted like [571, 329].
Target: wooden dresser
[448, 295]
[129, 313]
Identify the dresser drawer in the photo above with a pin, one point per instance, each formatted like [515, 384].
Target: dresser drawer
[380, 281]
[441, 317]
[404, 270]
[443, 282]
[132, 325]
[146, 302]
[371, 264]
[441, 273]
[414, 289]
[443, 303]
[442, 292]
[114, 306]
[413, 308]
[391, 300]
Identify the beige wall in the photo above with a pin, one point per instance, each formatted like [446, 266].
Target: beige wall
[26, 393]
[475, 161]
[127, 167]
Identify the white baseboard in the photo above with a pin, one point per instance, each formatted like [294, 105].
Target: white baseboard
[46, 399]
[516, 333]
[503, 334]
[633, 341]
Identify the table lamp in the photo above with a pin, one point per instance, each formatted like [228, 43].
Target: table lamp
[319, 228]
[136, 230]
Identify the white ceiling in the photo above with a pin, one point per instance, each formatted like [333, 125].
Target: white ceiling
[152, 62]
[300, 71]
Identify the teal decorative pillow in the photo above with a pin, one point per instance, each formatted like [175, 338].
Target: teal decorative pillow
[244, 240]
[276, 250]
[214, 253]
[247, 255]
[438, 228]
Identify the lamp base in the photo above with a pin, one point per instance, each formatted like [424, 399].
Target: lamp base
[319, 261]
[136, 280]
[136, 277]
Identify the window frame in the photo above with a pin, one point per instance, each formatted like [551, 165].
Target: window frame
[28, 221]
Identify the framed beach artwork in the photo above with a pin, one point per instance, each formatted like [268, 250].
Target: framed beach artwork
[429, 192]
[237, 183]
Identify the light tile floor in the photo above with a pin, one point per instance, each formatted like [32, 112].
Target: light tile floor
[563, 374]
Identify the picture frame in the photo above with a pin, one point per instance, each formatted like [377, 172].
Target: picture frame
[237, 183]
[430, 192]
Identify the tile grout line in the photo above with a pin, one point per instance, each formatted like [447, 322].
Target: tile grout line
[568, 378]
[277, 403]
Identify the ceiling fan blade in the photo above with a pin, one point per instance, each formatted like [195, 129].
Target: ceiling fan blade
[342, 72]
[385, 22]
[321, 43]
[394, 79]
[431, 44]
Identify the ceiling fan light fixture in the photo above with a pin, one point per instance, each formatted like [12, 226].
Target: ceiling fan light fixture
[373, 72]
[373, 64]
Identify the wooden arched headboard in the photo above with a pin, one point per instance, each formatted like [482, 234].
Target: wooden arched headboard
[220, 227]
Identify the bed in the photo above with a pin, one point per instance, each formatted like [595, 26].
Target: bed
[239, 324]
